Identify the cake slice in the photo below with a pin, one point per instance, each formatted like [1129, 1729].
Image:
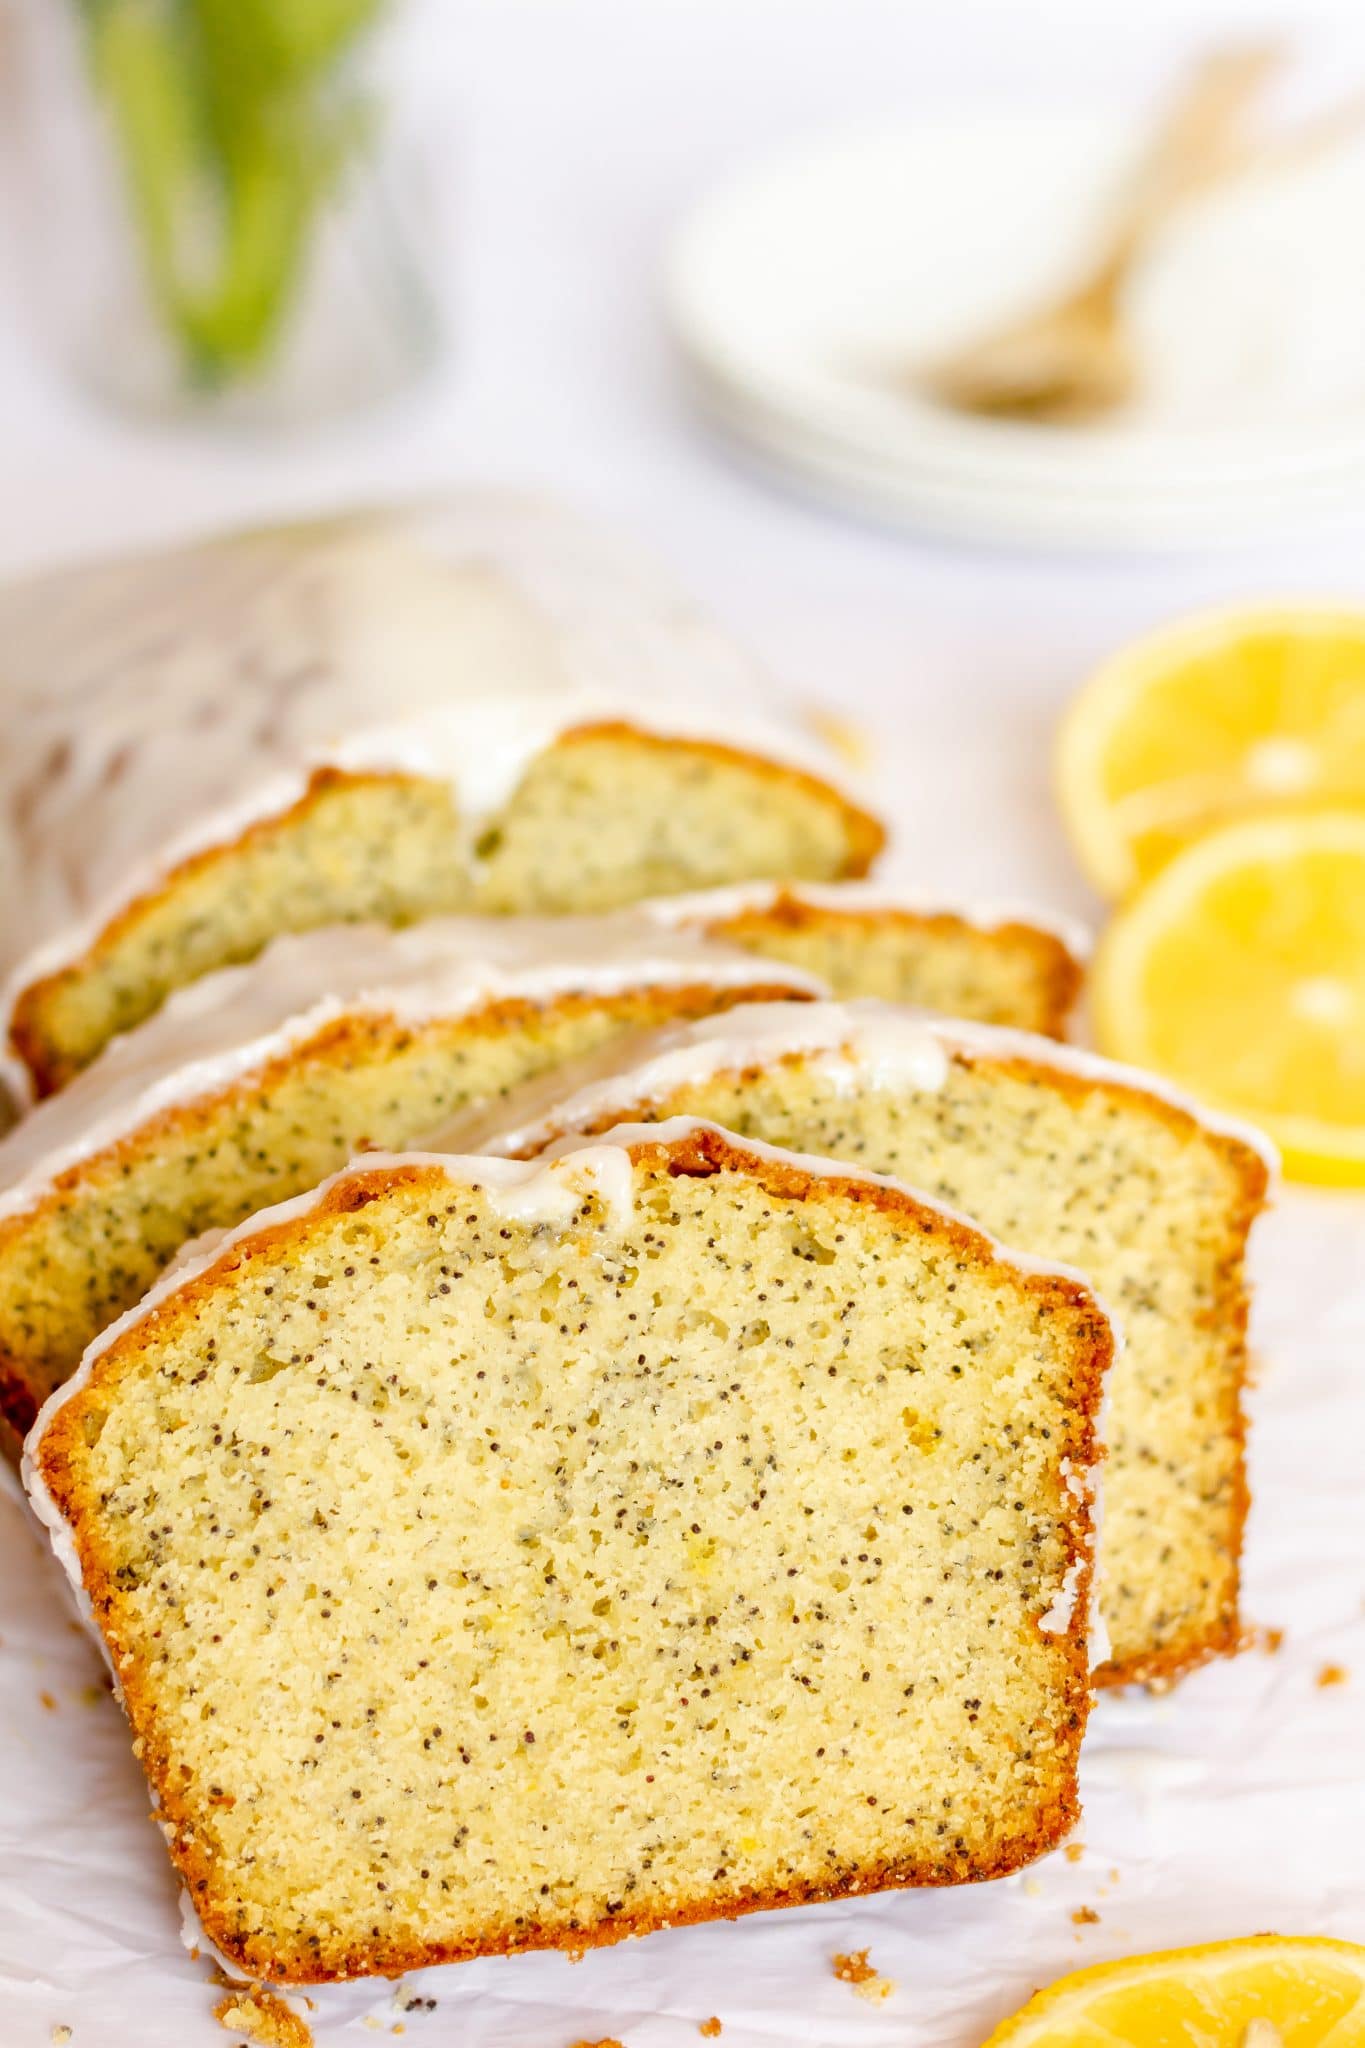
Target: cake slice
[480, 708]
[596, 812]
[995, 963]
[1065, 1155]
[259, 1080]
[499, 1557]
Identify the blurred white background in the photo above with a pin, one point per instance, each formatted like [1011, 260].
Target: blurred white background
[569, 136]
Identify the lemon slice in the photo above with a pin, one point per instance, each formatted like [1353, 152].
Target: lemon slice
[1246, 711]
[1270, 1991]
[1240, 972]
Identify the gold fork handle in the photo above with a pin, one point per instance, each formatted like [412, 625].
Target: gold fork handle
[1200, 141]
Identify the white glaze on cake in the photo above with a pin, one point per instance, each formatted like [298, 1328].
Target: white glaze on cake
[546, 1193]
[161, 707]
[864, 1043]
[228, 1025]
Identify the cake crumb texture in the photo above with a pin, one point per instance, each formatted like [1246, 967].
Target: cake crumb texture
[1151, 1204]
[481, 1582]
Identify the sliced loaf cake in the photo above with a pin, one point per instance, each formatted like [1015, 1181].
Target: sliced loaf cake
[259, 1080]
[496, 1557]
[1065, 1155]
[590, 812]
[995, 963]
[484, 707]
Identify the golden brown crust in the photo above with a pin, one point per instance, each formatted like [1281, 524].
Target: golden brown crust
[1228, 1314]
[1058, 970]
[49, 1072]
[866, 834]
[701, 1150]
[25, 1385]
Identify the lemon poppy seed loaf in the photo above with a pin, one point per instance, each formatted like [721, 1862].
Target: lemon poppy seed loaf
[1065, 1155]
[257, 1081]
[481, 711]
[603, 812]
[496, 1557]
[996, 963]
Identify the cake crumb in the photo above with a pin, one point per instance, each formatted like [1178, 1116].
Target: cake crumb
[262, 2017]
[61, 2034]
[1075, 1851]
[404, 2000]
[711, 2028]
[1332, 1674]
[1086, 1916]
[867, 1983]
[607, 2041]
[1271, 1640]
[842, 735]
[48, 1701]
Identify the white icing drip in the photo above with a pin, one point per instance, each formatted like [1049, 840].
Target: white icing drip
[988, 914]
[820, 1166]
[175, 701]
[231, 1024]
[1086, 1485]
[882, 1045]
[1057, 1619]
[553, 1197]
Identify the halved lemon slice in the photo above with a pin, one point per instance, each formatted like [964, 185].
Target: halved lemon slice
[1240, 972]
[1269, 1991]
[1244, 711]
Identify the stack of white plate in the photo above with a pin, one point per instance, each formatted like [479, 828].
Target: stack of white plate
[805, 296]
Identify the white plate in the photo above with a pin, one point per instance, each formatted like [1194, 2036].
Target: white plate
[1225, 514]
[806, 287]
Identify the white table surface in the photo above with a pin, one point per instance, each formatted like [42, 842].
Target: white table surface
[580, 128]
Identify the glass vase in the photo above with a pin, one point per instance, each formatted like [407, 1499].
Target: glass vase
[228, 213]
